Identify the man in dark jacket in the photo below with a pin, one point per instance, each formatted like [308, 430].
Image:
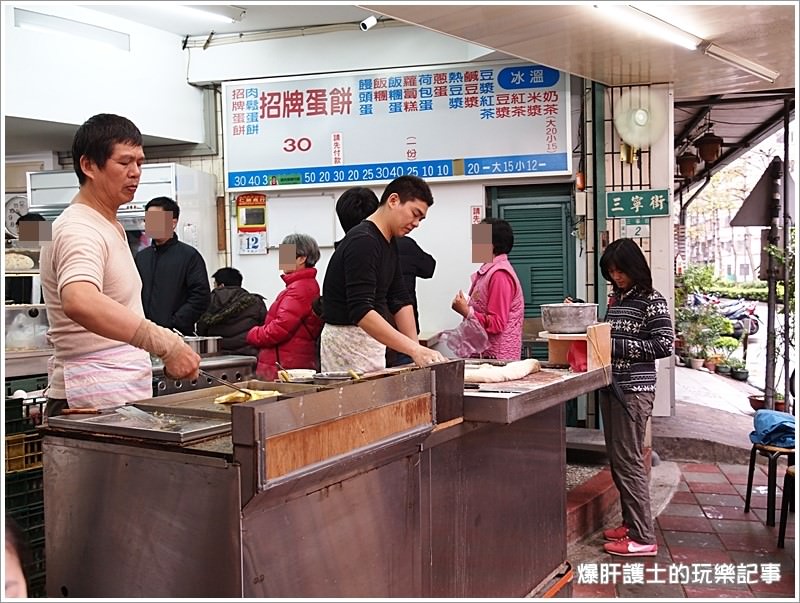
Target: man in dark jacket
[175, 290]
[232, 313]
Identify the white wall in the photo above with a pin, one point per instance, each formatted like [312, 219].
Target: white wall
[64, 78]
[445, 234]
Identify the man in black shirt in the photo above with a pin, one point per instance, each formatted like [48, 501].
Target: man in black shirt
[363, 287]
[414, 263]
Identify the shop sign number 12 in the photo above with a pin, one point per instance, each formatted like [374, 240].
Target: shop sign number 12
[252, 242]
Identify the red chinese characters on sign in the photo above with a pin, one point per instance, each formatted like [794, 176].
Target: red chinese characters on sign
[249, 105]
[244, 111]
[337, 156]
[476, 214]
[309, 103]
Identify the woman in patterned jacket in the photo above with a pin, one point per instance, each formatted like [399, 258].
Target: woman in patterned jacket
[641, 332]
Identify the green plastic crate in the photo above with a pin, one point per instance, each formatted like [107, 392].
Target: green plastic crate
[24, 489]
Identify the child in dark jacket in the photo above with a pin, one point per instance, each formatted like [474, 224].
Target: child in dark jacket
[232, 313]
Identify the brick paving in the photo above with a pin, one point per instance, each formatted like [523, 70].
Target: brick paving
[708, 546]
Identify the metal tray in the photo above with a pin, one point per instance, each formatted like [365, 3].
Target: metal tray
[176, 425]
[333, 376]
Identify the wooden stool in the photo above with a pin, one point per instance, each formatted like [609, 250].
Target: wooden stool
[786, 498]
[773, 453]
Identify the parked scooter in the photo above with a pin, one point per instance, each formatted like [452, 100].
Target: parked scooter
[738, 311]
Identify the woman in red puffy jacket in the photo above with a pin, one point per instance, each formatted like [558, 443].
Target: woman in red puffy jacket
[291, 328]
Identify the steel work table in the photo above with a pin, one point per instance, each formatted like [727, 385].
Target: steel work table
[400, 486]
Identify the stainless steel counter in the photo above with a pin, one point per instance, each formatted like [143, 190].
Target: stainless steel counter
[514, 400]
[351, 490]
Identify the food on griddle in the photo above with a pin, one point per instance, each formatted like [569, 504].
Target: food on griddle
[255, 394]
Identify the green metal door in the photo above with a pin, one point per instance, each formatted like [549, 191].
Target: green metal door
[544, 252]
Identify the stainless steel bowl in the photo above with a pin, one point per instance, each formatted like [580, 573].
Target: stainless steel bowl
[568, 318]
[205, 346]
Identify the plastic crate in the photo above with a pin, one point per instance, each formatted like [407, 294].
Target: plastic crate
[25, 503]
[23, 415]
[24, 489]
[31, 520]
[35, 571]
[29, 384]
[23, 452]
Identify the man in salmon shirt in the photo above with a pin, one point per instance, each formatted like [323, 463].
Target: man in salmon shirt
[91, 288]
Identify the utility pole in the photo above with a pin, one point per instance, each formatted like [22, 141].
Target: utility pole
[776, 174]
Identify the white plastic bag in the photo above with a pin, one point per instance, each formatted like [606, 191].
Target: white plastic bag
[468, 339]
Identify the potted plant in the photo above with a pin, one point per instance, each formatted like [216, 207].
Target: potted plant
[723, 347]
[738, 369]
[723, 368]
[712, 361]
[699, 327]
[758, 401]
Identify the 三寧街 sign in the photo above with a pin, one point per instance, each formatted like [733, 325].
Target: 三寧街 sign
[637, 204]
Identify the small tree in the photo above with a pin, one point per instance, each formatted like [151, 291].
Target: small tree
[699, 327]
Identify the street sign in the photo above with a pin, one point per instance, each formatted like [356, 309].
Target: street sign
[636, 228]
[633, 204]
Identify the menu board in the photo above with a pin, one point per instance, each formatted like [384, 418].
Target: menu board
[475, 121]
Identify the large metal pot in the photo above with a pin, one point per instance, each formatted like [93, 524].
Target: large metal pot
[568, 318]
[205, 346]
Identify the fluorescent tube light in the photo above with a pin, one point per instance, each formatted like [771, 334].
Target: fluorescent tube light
[215, 13]
[642, 21]
[746, 65]
[26, 19]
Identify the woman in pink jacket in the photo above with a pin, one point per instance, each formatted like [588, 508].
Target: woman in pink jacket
[291, 328]
[495, 297]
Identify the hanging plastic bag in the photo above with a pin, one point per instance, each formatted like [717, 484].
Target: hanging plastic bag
[576, 356]
[468, 340]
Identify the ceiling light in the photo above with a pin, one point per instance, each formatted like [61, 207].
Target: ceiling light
[26, 19]
[746, 65]
[215, 13]
[639, 20]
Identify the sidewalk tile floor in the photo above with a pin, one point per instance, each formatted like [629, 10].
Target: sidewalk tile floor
[708, 546]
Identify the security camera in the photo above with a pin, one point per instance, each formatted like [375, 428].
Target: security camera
[368, 23]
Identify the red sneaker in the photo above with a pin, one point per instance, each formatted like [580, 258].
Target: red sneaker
[630, 548]
[616, 533]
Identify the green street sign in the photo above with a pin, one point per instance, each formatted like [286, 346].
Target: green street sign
[635, 204]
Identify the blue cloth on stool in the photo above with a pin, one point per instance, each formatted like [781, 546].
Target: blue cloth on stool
[773, 428]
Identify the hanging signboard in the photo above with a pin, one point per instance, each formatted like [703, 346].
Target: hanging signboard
[637, 204]
[441, 123]
[251, 223]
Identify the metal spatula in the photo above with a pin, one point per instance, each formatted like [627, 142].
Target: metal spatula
[247, 394]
